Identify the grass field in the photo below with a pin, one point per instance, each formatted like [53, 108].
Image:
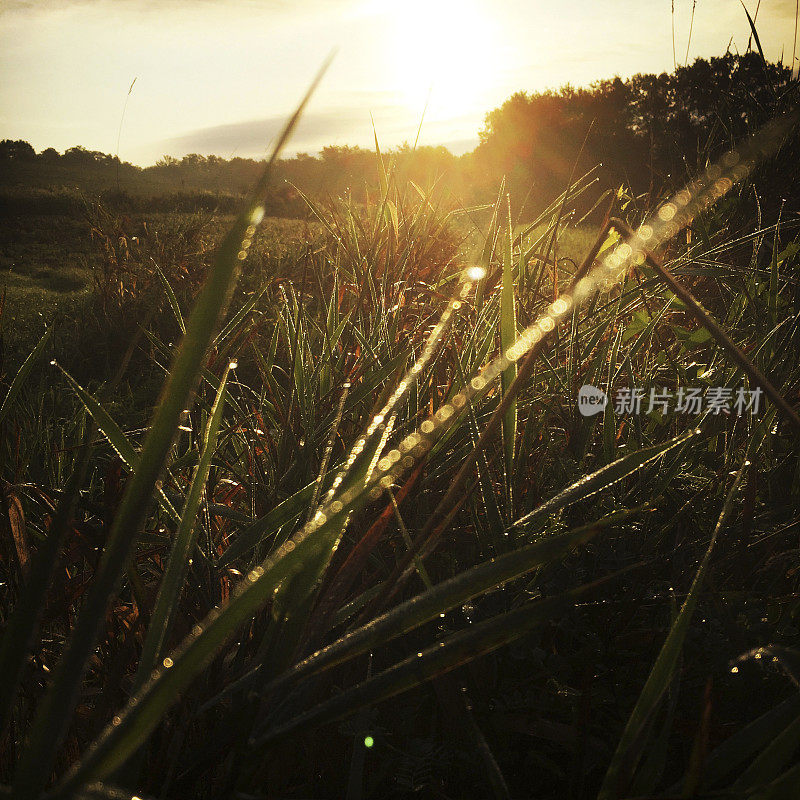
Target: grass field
[362, 542]
[50, 264]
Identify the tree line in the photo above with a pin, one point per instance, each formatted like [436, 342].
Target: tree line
[646, 133]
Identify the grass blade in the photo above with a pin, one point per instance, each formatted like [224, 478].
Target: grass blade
[621, 769]
[602, 479]
[443, 657]
[22, 374]
[185, 538]
[21, 629]
[54, 712]
[443, 597]
[508, 335]
[173, 300]
[115, 435]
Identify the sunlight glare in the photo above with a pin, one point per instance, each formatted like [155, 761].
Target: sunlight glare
[443, 54]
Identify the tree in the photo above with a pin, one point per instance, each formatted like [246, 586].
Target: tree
[167, 162]
[17, 150]
[50, 155]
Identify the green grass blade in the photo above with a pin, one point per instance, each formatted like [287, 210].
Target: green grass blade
[105, 422]
[601, 479]
[621, 770]
[115, 436]
[54, 711]
[782, 788]
[445, 596]
[746, 742]
[770, 762]
[145, 709]
[442, 657]
[173, 300]
[287, 511]
[508, 335]
[489, 244]
[185, 538]
[22, 374]
[236, 320]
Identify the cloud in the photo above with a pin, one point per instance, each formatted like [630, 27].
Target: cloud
[253, 137]
[334, 126]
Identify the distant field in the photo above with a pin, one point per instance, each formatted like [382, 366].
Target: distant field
[47, 263]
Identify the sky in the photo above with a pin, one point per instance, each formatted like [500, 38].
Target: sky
[221, 76]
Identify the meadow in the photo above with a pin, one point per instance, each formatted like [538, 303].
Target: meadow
[308, 508]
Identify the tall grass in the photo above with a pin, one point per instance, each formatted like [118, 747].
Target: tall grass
[370, 473]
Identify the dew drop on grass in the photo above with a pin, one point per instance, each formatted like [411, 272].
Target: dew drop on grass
[168, 662]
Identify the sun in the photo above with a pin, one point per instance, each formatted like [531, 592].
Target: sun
[443, 54]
